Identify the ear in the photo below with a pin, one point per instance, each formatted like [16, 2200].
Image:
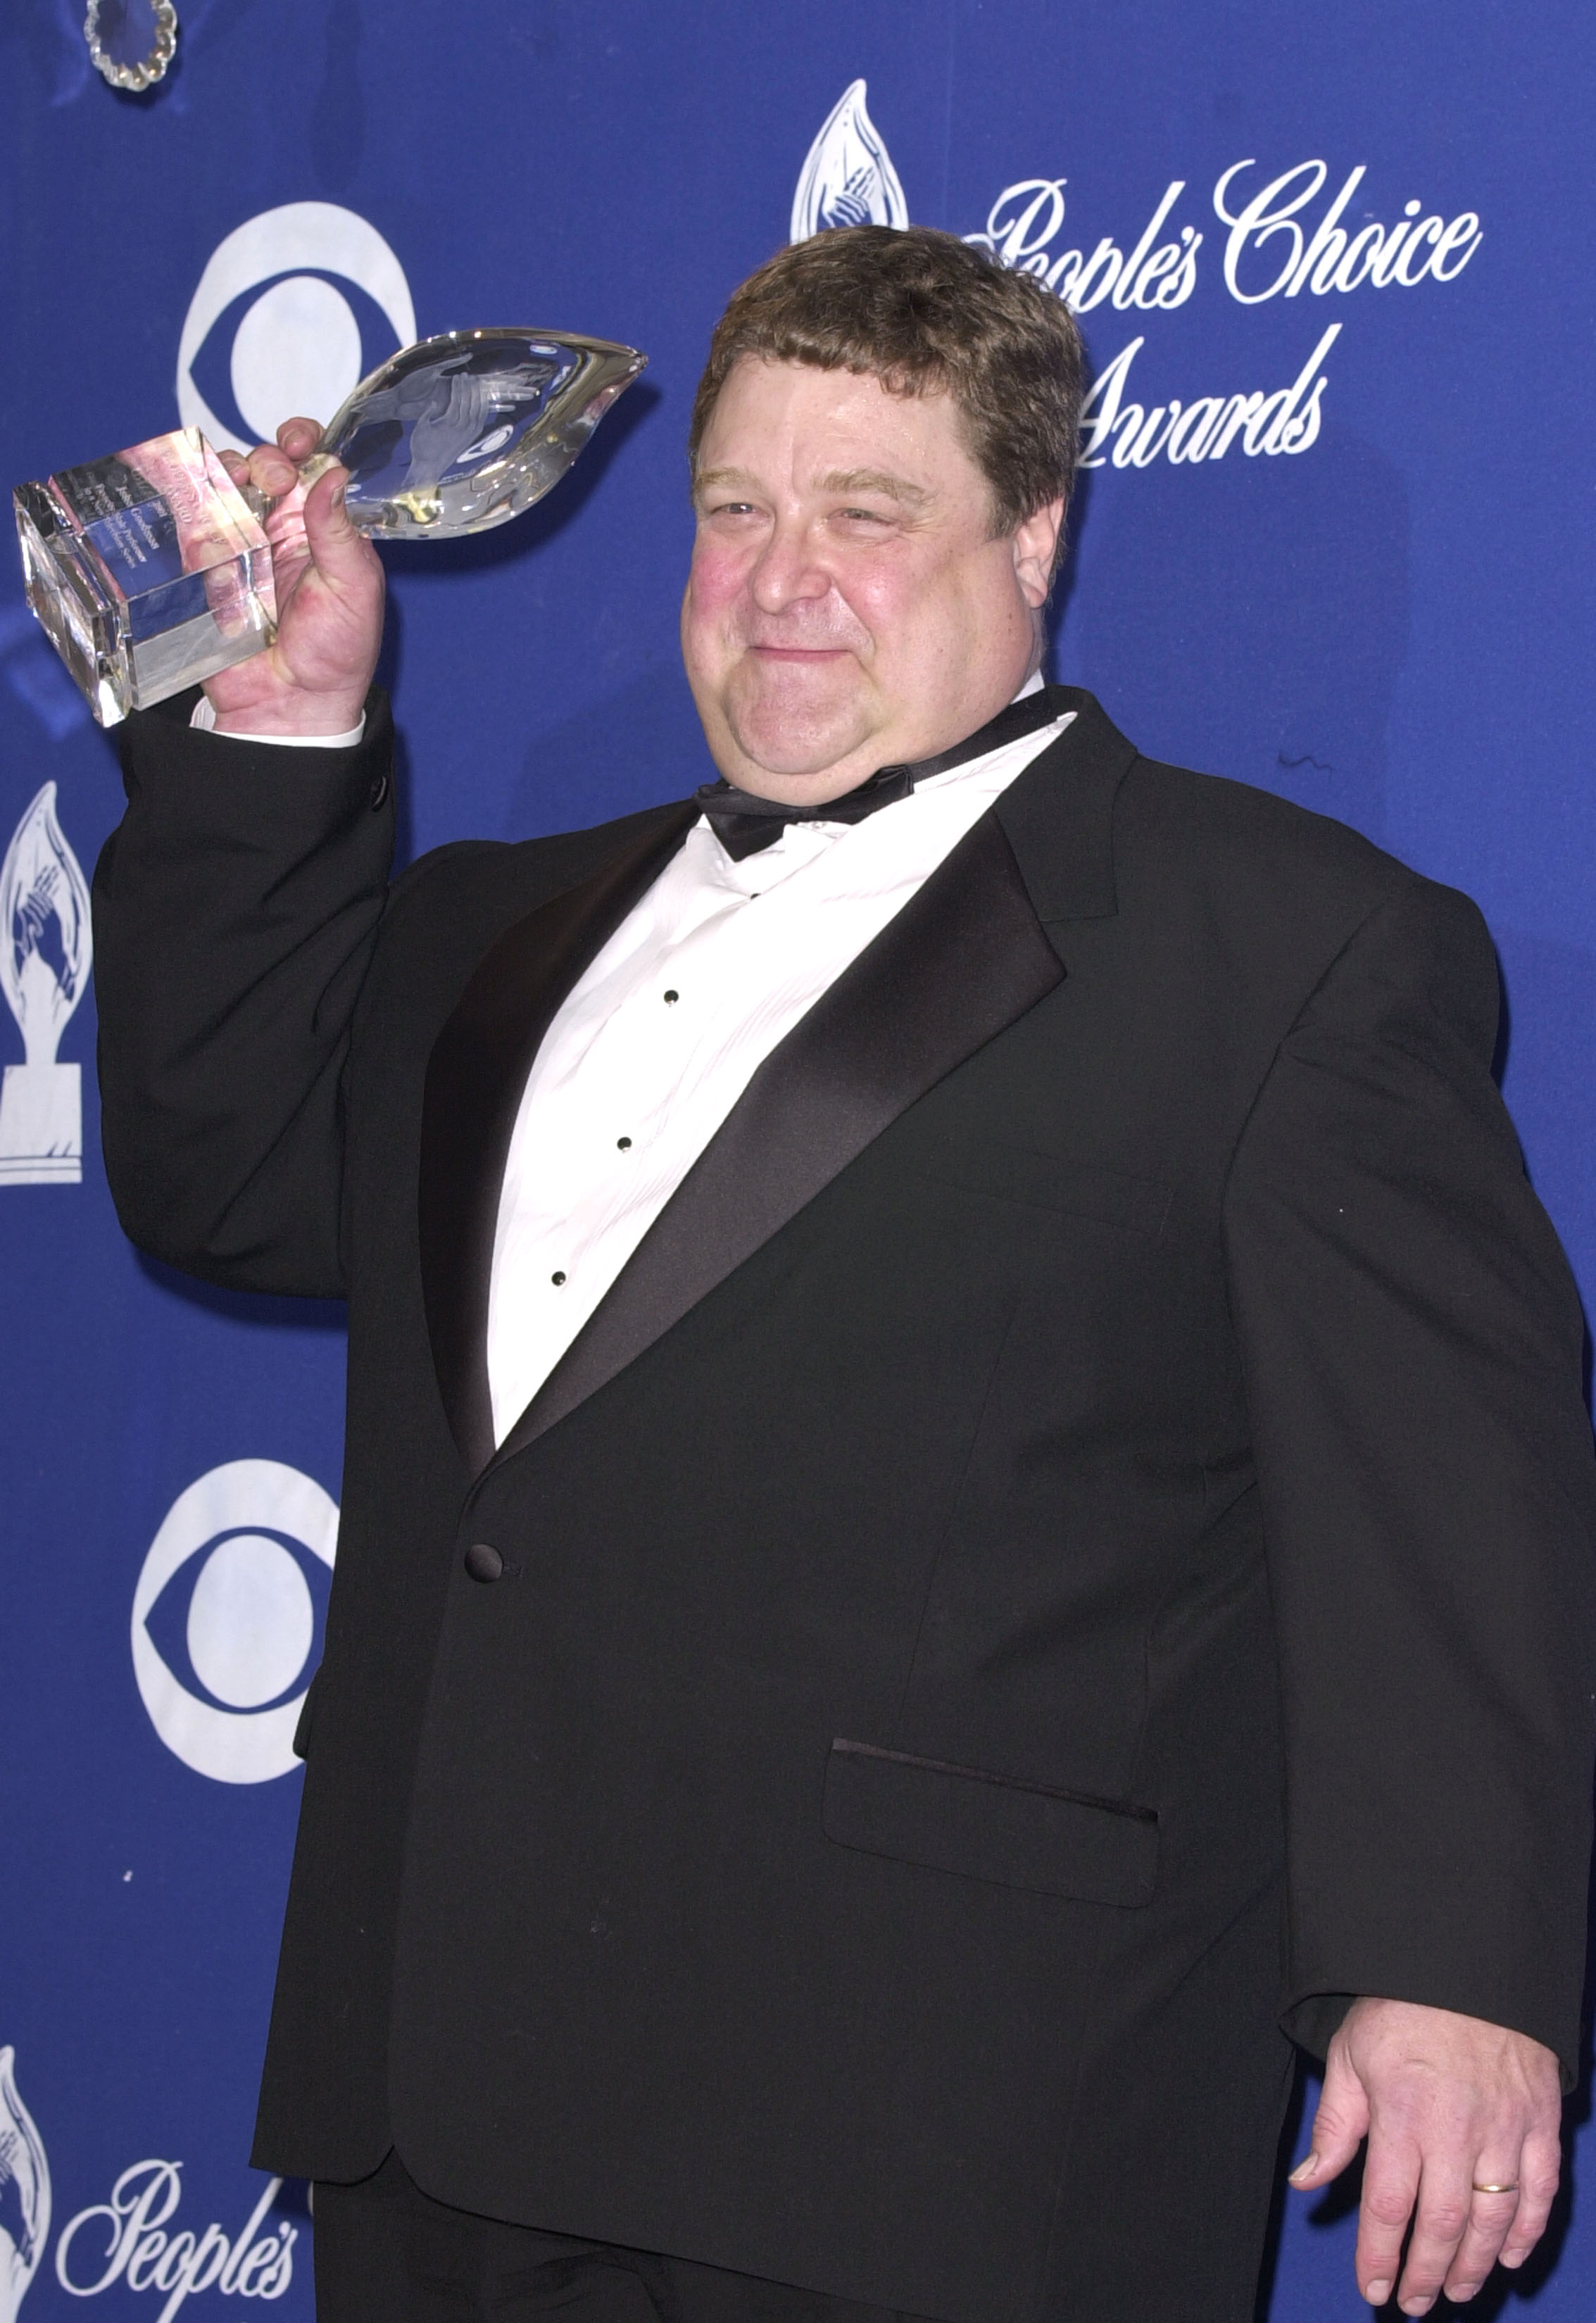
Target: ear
[1036, 541]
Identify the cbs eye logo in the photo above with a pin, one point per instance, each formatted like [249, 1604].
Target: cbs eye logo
[227, 1617]
[294, 309]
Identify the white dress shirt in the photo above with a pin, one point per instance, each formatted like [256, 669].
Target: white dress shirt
[703, 977]
[203, 719]
[659, 1039]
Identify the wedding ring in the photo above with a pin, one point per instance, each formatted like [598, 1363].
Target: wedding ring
[1495, 2189]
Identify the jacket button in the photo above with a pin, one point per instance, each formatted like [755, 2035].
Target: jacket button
[379, 791]
[482, 1562]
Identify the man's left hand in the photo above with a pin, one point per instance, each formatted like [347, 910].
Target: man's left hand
[1453, 2108]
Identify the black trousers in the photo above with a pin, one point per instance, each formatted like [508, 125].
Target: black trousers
[387, 2253]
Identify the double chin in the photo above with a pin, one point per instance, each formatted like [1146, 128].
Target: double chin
[793, 719]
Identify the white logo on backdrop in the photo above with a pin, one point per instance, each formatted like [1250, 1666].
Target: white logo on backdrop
[297, 346]
[25, 2192]
[251, 1623]
[848, 177]
[127, 2239]
[1275, 249]
[46, 947]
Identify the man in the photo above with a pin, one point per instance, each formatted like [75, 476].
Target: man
[967, 1503]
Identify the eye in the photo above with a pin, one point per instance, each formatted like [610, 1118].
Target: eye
[239, 1624]
[260, 362]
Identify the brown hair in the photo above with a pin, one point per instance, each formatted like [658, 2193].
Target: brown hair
[924, 313]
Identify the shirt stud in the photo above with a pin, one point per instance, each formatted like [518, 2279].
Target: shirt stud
[623, 1144]
[671, 997]
[557, 1278]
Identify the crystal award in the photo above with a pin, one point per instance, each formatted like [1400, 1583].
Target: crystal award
[152, 570]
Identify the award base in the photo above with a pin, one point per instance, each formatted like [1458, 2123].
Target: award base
[147, 570]
[41, 1125]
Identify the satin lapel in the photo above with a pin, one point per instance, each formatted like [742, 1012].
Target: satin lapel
[962, 960]
[1059, 814]
[474, 1078]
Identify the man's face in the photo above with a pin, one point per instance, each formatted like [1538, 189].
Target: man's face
[848, 606]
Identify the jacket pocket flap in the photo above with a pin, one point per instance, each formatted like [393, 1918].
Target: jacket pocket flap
[987, 1827]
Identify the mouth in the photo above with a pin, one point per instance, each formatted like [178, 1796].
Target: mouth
[800, 655]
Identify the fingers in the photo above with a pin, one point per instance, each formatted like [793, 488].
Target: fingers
[1455, 2230]
[298, 437]
[1504, 2225]
[330, 614]
[1490, 2219]
[270, 471]
[1340, 2125]
[1390, 2189]
[1460, 2227]
[1540, 2166]
[1451, 2105]
[273, 469]
[343, 554]
[329, 588]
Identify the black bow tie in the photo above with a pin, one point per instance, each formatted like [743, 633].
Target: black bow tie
[744, 824]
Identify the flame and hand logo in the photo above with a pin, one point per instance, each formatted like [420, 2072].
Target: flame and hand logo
[46, 949]
[126, 2237]
[25, 2192]
[293, 309]
[848, 177]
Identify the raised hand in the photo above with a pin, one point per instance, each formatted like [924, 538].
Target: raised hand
[1461, 2119]
[329, 601]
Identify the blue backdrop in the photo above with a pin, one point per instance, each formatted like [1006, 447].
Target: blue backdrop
[1334, 267]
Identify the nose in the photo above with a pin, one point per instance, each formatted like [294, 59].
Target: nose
[787, 571]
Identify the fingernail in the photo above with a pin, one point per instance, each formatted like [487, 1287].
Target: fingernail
[1464, 2290]
[1378, 2293]
[1417, 2306]
[1304, 2171]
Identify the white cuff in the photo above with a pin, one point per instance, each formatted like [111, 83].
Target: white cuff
[203, 721]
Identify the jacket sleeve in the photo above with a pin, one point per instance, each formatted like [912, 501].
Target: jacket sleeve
[235, 910]
[1412, 1348]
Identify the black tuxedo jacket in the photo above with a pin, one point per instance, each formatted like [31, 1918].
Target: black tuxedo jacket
[1067, 1551]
